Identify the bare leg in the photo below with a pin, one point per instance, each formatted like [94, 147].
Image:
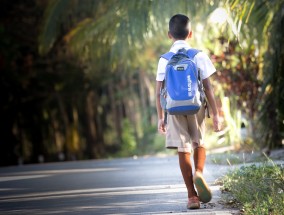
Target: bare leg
[186, 170]
[199, 158]
[203, 189]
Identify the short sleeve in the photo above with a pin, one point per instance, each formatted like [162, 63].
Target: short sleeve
[161, 69]
[205, 65]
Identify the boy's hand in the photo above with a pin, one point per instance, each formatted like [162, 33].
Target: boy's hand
[161, 126]
[216, 123]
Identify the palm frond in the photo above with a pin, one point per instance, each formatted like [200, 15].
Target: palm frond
[50, 30]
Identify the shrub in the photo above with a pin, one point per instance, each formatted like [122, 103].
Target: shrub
[258, 188]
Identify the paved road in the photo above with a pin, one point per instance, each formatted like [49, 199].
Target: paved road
[150, 185]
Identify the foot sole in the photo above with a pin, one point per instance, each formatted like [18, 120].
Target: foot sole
[203, 190]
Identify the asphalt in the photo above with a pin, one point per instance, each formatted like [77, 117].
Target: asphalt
[148, 185]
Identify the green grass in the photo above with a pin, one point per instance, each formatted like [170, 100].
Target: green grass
[233, 158]
[258, 189]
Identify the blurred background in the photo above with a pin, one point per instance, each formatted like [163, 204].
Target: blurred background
[77, 78]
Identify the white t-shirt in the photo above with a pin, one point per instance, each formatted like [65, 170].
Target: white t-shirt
[201, 59]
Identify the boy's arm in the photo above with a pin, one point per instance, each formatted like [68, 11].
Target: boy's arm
[161, 124]
[211, 100]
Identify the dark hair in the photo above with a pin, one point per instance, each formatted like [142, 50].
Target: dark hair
[178, 26]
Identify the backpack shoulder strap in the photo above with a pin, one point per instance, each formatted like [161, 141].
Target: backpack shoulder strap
[167, 55]
[192, 52]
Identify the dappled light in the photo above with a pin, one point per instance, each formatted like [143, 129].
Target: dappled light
[108, 196]
[82, 129]
[78, 85]
[146, 185]
[218, 16]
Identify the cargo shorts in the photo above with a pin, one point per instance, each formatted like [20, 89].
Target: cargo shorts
[183, 130]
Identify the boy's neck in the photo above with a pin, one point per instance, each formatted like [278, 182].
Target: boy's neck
[185, 40]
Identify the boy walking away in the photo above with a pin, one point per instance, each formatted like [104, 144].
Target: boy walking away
[185, 132]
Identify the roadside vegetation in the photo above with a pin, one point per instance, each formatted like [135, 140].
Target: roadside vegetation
[256, 189]
[244, 157]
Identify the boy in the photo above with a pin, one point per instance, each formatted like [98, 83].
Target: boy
[185, 132]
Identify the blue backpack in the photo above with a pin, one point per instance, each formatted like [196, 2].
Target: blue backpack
[182, 90]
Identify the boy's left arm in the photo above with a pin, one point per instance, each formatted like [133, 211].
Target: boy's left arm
[211, 100]
[161, 124]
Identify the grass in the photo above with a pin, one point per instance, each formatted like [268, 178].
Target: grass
[233, 158]
[257, 189]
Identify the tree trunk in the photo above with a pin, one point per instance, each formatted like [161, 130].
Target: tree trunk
[94, 138]
[115, 112]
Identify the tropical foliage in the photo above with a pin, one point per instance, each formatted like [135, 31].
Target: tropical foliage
[78, 78]
[261, 23]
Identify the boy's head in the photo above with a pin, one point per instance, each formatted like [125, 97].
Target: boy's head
[179, 27]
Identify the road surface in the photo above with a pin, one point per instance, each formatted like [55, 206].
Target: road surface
[148, 185]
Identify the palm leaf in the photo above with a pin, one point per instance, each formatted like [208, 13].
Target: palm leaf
[50, 30]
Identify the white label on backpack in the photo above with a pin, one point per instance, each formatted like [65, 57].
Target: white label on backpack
[189, 86]
[180, 67]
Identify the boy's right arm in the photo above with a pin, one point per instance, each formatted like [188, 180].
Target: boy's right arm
[161, 124]
[211, 100]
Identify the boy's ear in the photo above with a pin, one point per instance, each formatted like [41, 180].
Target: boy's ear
[189, 35]
[170, 35]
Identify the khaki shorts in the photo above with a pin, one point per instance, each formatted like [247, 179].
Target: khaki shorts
[182, 130]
